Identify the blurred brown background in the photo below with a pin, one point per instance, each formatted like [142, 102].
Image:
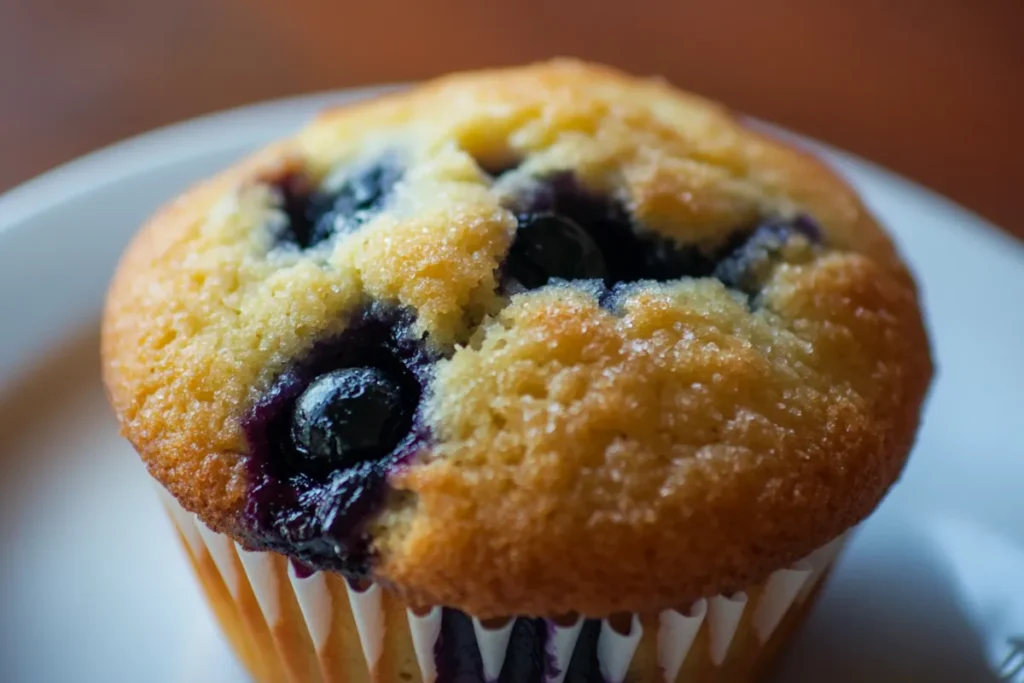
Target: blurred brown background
[931, 88]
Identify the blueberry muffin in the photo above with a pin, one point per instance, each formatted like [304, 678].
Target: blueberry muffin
[557, 350]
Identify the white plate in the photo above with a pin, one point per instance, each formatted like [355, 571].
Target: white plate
[92, 586]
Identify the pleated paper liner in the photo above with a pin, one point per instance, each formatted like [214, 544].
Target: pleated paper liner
[288, 628]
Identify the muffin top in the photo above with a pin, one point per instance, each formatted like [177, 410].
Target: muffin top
[526, 341]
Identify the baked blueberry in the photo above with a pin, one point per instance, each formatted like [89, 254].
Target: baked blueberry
[548, 246]
[626, 251]
[343, 204]
[327, 433]
[570, 233]
[748, 257]
[349, 416]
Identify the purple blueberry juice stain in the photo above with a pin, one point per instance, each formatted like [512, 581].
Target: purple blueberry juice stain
[314, 510]
[301, 569]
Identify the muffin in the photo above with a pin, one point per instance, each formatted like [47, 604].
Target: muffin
[539, 373]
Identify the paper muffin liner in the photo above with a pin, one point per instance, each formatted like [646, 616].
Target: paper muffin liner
[289, 627]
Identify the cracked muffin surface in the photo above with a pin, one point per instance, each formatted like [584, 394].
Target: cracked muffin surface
[525, 341]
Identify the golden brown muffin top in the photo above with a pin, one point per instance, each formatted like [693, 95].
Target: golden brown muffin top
[732, 381]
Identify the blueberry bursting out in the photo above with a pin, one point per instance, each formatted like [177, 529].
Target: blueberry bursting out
[316, 215]
[566, 232]
[327, 434]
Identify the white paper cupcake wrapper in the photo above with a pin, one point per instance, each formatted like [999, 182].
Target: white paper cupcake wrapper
[673, 632]
[312, 592]
[676, 633]
[425, 631]
[615, 650]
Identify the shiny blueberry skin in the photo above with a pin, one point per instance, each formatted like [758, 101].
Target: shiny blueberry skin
[348, 416]
[548, 246]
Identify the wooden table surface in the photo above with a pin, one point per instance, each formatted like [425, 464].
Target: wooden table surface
[931, 88]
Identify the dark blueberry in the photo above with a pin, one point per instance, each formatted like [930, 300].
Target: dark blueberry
[349, 416]
[745, 265]
[315, 215]
[313, 504]
[547, 246]
[628, 251]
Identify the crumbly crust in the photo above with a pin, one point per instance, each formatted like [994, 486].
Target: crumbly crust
[587, 458]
